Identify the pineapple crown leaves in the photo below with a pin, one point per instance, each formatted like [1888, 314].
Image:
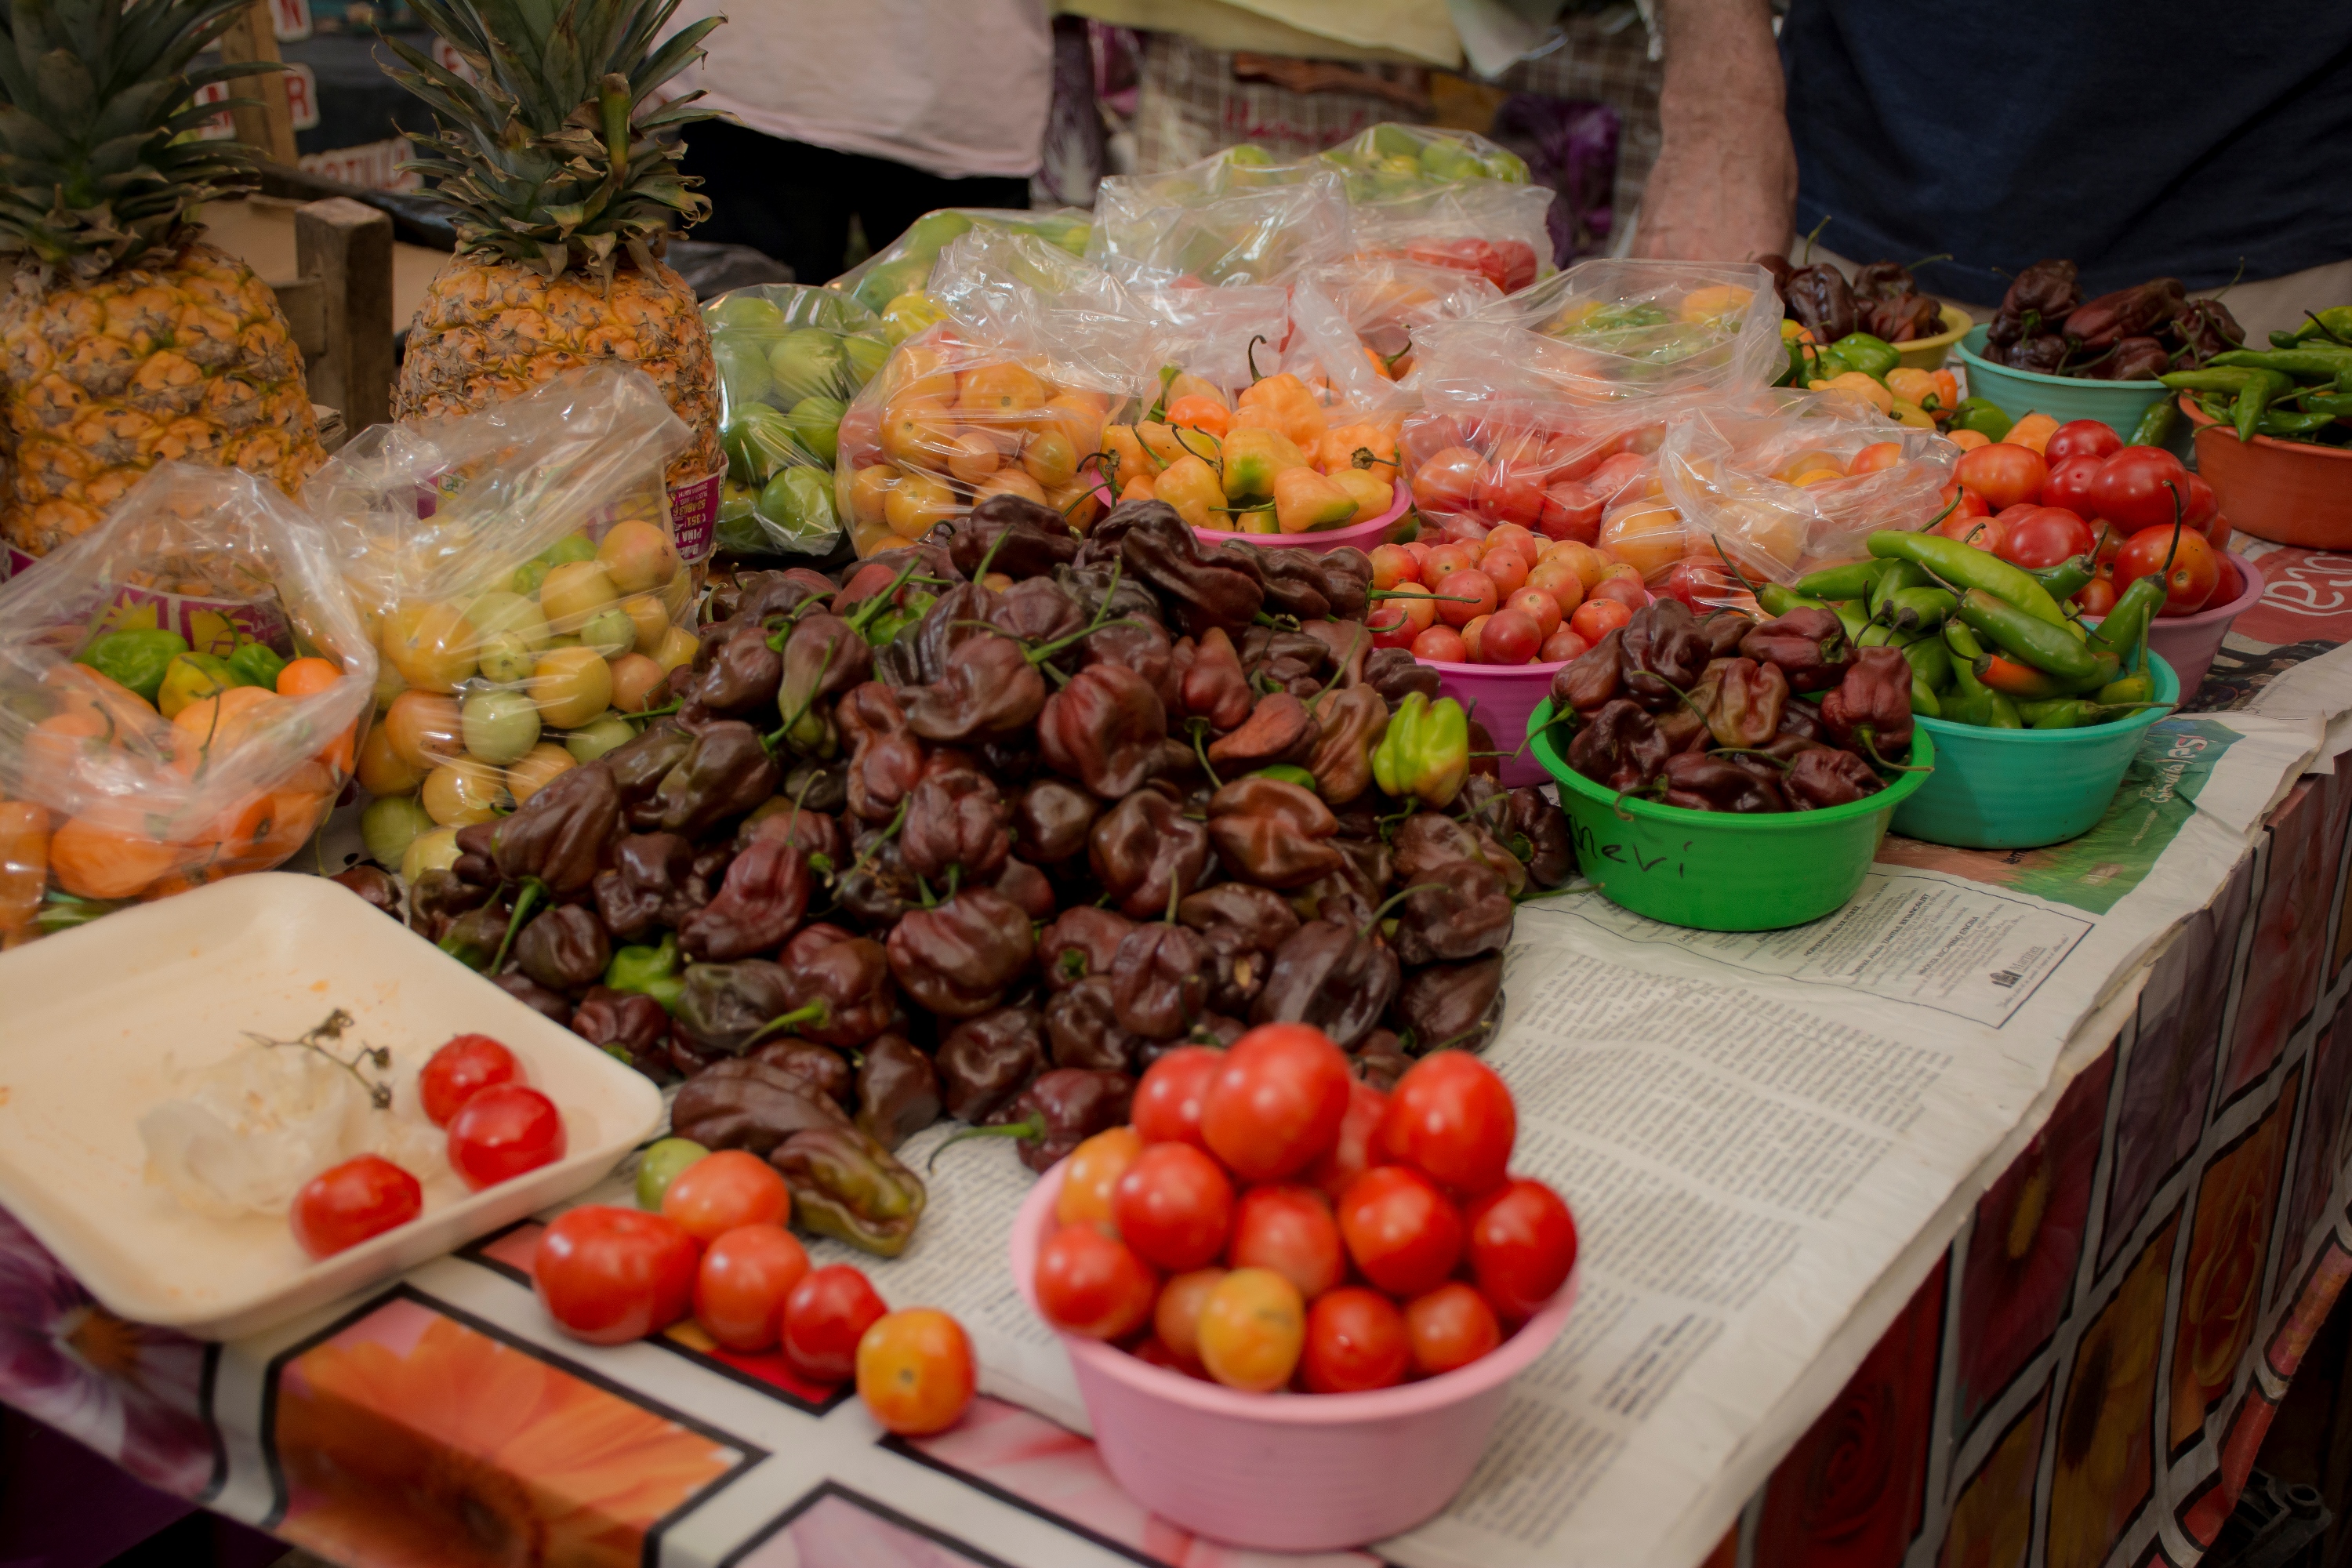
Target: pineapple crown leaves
[556, 154]
[97, 101]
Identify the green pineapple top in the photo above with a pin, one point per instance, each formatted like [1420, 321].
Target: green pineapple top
[96, 165]
[555, 156]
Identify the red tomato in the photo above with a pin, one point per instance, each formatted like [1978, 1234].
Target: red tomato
[1289, 1230]
[2043, 536]
[1625, 588]
[2136, 488]
[2193, 572]
[1969, 504]
[1443, 481]
[1464, 596]
[1559, 579]
[824, 1317]
[1979, 530]
[724, 1192]
[2096, 597]
[1442, 645]
[466, 1064]
[1508, 492]
[1278, 1102]
[1616, 471]
[1596, 618]
[1176, 1316]
[1174, 1207]
[610, 1275]
[1511, 637]
[1351, 1156]
[1505, 568]
[1392, 564]
[1443, 561]
[1169, 1097]
[1561, 646]
[740, 1286]
[2004, 474]
[1571, 511]
[1877, 456]
[502, 1131]
[1390, 625]
[2199, 507]
[1522, 1244]
[915, 1371]
[1452, 1326]
[1091, 1285]
[1404, 1235]
[2072, 484]
[2093, 438]
[1516, 537]
[345, 1205]
[1538, 607]
[1698, 585]
[1471, 635]
[1452, 1119]
[1355, 1341]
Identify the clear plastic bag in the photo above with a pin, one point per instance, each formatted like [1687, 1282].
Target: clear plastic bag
[1680, 332]
[1770, 481]
[790, 360]
[1234, 218]
[181, 692]
[904, 266]
[1393, 159]
[1445, 198]
[1554, 470]
[1353, 325]
[517, 574]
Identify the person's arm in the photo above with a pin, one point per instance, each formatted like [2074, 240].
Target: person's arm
[1726, 180]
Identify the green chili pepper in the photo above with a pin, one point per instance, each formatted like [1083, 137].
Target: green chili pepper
[1426, 752]
[1875, 634]
[1779, 599]
[653, 971]
[1930, 661]
[134, 658]
[256, 664]
[1981, 416]
[2256, 389]
[1963, 644]
[2131, 689]
[1920, 609]
[2032, 642]
[1871, 356]
[2335, 405]
[1966, 566]
[2066, 579]
[2155, 427]
[1849, 580]
[2335, 322]
[1923, 699]
[1976, 703]
[1853, 615]
[1288, 775]
[2291, 425]
[2123, 627]
[2315, 363]
[1899, 575]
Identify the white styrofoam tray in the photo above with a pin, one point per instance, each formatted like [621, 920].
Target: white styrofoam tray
[101, 1023]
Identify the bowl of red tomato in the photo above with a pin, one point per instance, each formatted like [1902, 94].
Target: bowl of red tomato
[1293, 1304]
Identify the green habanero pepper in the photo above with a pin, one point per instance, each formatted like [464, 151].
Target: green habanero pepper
[1871, 356]
[136, 659]
[256, 664]
[649, 970]
[1426, 752]
[1981, 416]
[1827, 365]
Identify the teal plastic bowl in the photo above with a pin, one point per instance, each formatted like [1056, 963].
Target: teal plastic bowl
[1717, 870]
[2018, 393]
[2020, 789]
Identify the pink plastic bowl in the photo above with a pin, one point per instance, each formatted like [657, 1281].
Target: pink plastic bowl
[1285, 1472]
[1506, 695]
[2189, 642]
[1362, 535]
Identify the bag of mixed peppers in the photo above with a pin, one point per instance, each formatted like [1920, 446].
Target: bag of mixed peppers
[1988, 643]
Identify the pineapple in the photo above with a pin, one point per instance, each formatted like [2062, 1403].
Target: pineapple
[125, 339]
[561, 170]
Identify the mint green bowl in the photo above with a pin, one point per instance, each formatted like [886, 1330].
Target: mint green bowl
[2020, 789]
[1719, 871]
[2119, 404]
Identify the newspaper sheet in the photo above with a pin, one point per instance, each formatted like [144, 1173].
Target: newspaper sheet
[1760, 1134]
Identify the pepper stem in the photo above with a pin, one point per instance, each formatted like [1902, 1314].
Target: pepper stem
[1394, 899]
[534, 889]
[812, 1012]
[1868, 736]
[1197, 727]
[1029, 1129]
[867, 612]
[868, 853]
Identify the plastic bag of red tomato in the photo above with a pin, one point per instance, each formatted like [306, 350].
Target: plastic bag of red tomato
[1791, 481]
[1269, 1221]
[2087, 495]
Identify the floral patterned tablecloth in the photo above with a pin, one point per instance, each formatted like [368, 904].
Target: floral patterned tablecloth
[2082, 1378]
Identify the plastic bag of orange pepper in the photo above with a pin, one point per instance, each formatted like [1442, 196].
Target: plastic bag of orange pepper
[152, 741]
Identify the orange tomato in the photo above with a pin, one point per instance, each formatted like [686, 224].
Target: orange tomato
[997, 393]
[94, 862]
[23, 861]
[1877, 456]
[307, 677]
[1203, 414]
[1095, 1166]
[1253, 1326]
[915, 1371]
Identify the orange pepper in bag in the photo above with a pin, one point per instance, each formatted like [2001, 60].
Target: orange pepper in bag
[1130, 461]
[1191, 487]
[1283, 403]
[24, 862]
[93, 862]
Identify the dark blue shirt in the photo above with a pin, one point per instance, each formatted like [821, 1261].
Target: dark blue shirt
[2151, 140]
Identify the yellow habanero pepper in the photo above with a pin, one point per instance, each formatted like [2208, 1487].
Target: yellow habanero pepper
[1191, 486]
[1282, 403]
[1253, 457]
[1305, 502]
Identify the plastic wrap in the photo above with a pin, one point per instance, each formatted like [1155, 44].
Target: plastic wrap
[1769, 480]
[1556, 470]
[904, 266]
[1234, 218]
[517, 574]
[789, 359]
[154, 733]
[1353, 325]
[1677, 333]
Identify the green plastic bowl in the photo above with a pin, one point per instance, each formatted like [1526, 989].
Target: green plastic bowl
[1717, 870]
[2119, 404]
[2020, 789]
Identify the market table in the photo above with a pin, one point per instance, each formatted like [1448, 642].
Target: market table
[1985, 1222]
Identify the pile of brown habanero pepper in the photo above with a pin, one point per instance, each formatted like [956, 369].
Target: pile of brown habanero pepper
[1727, 713]
[987, 829]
